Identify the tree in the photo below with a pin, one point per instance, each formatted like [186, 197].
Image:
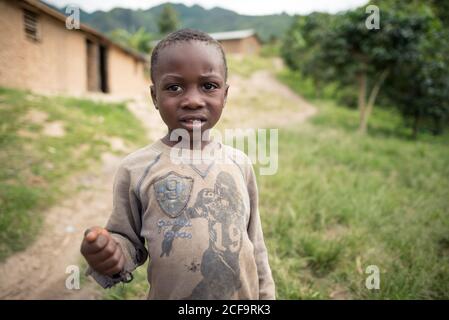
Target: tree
[302, 48]
[168, 20]
[419, 85]
[139, 40]
[406, 58]
[441, 10]
[368, 56]
[342, 49]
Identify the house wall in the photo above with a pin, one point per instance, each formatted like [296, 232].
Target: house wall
[126, 74]
[248, 45]
[57, 62]
[231, 46]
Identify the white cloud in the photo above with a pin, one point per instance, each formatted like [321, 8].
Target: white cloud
[249, 7]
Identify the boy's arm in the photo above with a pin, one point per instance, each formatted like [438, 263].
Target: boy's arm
[124, 225]
[266, 283]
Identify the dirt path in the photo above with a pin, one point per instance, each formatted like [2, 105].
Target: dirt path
[39, 272]
[261, 101]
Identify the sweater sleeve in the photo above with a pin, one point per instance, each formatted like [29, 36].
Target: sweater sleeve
[266, 283]
[124, 225]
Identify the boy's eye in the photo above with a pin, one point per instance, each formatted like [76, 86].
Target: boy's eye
[174, 88]
[210, 86]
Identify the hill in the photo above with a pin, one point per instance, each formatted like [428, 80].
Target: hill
[208, 20]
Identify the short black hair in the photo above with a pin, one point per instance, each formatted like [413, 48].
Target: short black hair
[185, 35]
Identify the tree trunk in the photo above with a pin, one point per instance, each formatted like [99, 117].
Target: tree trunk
[318, 89]
[361, 80]
[368, 108]
[438, 126]
[416, 125]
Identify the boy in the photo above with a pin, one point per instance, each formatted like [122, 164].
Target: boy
[200, 222]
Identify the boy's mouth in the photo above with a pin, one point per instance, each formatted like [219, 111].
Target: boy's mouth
[190, 122]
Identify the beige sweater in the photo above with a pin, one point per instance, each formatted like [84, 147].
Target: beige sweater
[200, 222]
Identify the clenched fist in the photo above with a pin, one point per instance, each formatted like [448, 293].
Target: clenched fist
[102, 252]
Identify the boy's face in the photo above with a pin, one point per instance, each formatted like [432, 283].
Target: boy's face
[189, 85]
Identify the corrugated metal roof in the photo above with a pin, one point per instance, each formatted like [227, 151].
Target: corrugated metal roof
[228, 35]
[231, 35]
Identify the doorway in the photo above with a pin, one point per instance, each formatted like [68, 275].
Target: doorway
[97, 67]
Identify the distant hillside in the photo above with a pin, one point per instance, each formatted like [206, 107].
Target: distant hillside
[212, 20]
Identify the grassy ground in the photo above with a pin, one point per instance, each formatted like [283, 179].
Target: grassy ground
[35, 166]
[246, 65]
[341, 202]
[358, 201]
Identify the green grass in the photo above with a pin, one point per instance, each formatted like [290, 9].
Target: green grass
[35, 166]
[136, 290]
[339, 197]
[341, 202]
[271, 50]
[246, 65]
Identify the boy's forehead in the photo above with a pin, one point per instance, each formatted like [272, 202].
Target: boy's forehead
[193, 55]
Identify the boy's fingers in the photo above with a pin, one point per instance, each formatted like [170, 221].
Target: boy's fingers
[104, 253]
[117, 268]
[105, 232]
[96, 246]
[91, 234]
[110, 262]
[86, 232]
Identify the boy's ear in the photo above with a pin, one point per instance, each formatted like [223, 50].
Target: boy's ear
[153, 95]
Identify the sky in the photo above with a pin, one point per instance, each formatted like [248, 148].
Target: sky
[248, 7]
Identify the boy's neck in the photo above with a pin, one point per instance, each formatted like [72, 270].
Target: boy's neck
[192, 144]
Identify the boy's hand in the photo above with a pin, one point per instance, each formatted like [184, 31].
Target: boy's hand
[101, 251]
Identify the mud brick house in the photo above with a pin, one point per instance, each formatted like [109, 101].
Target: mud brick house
[38, 52]
[241, 42]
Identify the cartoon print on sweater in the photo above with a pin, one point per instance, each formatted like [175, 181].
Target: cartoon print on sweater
[224, 210]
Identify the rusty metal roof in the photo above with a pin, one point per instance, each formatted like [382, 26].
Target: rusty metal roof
[233, 35]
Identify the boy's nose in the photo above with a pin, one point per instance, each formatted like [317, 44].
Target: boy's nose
[193, 100]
